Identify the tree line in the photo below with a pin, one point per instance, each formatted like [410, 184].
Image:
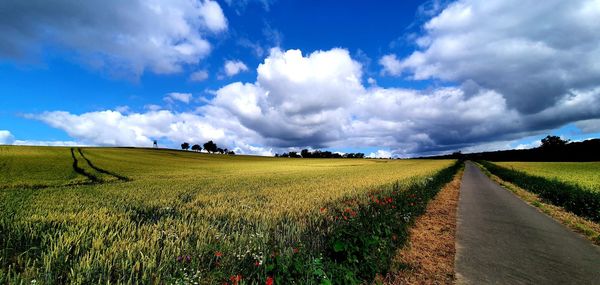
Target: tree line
[552, 148]
[305, 153]
[209, 146]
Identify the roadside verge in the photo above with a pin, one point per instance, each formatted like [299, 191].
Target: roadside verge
[428, 257]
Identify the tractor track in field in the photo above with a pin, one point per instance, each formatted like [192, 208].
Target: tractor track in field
[113, 174]
[94, 179]
[82, 171]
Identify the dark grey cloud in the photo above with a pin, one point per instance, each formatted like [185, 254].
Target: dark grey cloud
[129, 36]
[532, 52]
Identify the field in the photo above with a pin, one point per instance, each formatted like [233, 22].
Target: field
[98, 215]
[585, 174]
[575, 186]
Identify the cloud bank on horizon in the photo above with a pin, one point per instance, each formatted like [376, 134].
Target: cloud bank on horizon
[501, 71]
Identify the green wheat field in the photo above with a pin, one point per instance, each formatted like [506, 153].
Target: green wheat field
[585, 174]
[121, 215]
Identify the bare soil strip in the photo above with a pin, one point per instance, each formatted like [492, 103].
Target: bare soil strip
[428, 257]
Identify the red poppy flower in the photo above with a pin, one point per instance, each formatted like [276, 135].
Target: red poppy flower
[218, 254]
[269, 281]
[296, 250]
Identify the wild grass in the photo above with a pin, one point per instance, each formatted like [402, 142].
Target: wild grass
[163, 216]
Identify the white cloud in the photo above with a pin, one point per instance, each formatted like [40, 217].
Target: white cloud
[199, 75]
[213, 16]
[150, 107]
[122, 109]
[391, 64]
[589, 126]
[48, 143]
[135, 129]
[176, 96]
[531, 53]
[380, 154]
[233, 67]
[317, 100]
[123, 37]
[6, 137]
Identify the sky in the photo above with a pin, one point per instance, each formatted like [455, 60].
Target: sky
[386, 78]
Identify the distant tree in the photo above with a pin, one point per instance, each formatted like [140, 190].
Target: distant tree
[305, 153]
[294, 154]
[220, 150]
[277, 155]
[196, 147]
[231, 152]
[285, 154]
[316, 154]
[210, 146]
[185, 146]
[553, 142]
[457, 155]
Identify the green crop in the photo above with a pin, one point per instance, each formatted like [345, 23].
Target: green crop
[585, 174]
[119, 215]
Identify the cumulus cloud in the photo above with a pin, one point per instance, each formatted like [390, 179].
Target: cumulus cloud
[199, 75]
[391, 65]
[127, 37]
[48, 143]
[380, 154]
[296, 100]
[176, 96]
[318, 100]
[6, 137]
[532, 54]
[135, 129]
[233, 67]
[589, 126]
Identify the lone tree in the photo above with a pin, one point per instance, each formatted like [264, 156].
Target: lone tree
[210, 146]
[185, 146]
[553, 142]
[196, 147]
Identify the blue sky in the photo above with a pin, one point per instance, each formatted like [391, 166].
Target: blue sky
[393, 78]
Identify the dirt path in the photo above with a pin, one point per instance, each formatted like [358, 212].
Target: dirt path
[502, 240]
